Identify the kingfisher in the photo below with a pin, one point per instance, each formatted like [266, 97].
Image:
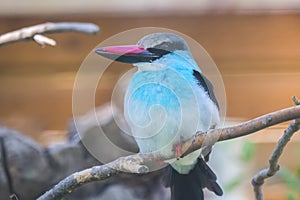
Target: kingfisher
[167, 101]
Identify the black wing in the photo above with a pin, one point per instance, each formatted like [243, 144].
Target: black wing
[207, 86]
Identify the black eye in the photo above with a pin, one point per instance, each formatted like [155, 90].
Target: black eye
[158, 52]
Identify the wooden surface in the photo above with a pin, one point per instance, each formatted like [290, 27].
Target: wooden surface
[258, 57]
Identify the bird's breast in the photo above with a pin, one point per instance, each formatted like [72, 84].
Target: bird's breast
[162, 109]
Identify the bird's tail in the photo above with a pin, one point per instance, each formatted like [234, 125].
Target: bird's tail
[189, 186]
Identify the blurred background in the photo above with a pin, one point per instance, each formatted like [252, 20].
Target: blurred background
[255, 45]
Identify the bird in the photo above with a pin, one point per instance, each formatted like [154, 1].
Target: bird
[167, 101]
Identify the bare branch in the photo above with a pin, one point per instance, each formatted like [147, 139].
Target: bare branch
[134, 163]
[42, 40]
[296, 100]
[49, 27]
[130, 164]
[259, 178]
[242, 129]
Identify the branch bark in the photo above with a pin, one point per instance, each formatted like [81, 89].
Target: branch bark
[96, 173]
[259, 179]
[30, 33]
[242, 129]
[135, 163]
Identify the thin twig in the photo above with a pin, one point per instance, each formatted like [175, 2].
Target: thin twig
[134, 163]
[259, 178]
[28, 33]
[42, 40]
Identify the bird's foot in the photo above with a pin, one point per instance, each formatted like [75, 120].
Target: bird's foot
[178, 150]
[160, 162]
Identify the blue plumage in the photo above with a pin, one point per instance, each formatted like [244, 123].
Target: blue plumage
[163, 103]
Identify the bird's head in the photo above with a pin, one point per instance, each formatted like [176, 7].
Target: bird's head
[150, 48]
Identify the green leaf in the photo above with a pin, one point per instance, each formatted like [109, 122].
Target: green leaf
[290, 196]
[248, 151]
[292, 181]
[233, 183]
[298, 172]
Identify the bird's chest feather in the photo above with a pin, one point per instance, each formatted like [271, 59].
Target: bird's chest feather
[162, 108]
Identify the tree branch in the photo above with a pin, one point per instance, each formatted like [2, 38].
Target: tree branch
[135, 163]
[259, 179]
[96, 173]
[242, 129]
[49, 27]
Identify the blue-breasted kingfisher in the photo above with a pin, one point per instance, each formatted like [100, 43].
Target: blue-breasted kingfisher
[167, 101]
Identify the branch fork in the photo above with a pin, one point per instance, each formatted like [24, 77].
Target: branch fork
[35, 32]
[259, 179]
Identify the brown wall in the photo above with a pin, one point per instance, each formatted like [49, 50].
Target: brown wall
[258, 57]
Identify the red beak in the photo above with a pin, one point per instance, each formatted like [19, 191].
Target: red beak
[127, 54]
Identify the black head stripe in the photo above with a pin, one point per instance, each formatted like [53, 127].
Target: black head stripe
[136, 58]
[132, 58]
[207, 86]
[158, 52]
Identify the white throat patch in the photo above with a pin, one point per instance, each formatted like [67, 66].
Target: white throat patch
[149, 66]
